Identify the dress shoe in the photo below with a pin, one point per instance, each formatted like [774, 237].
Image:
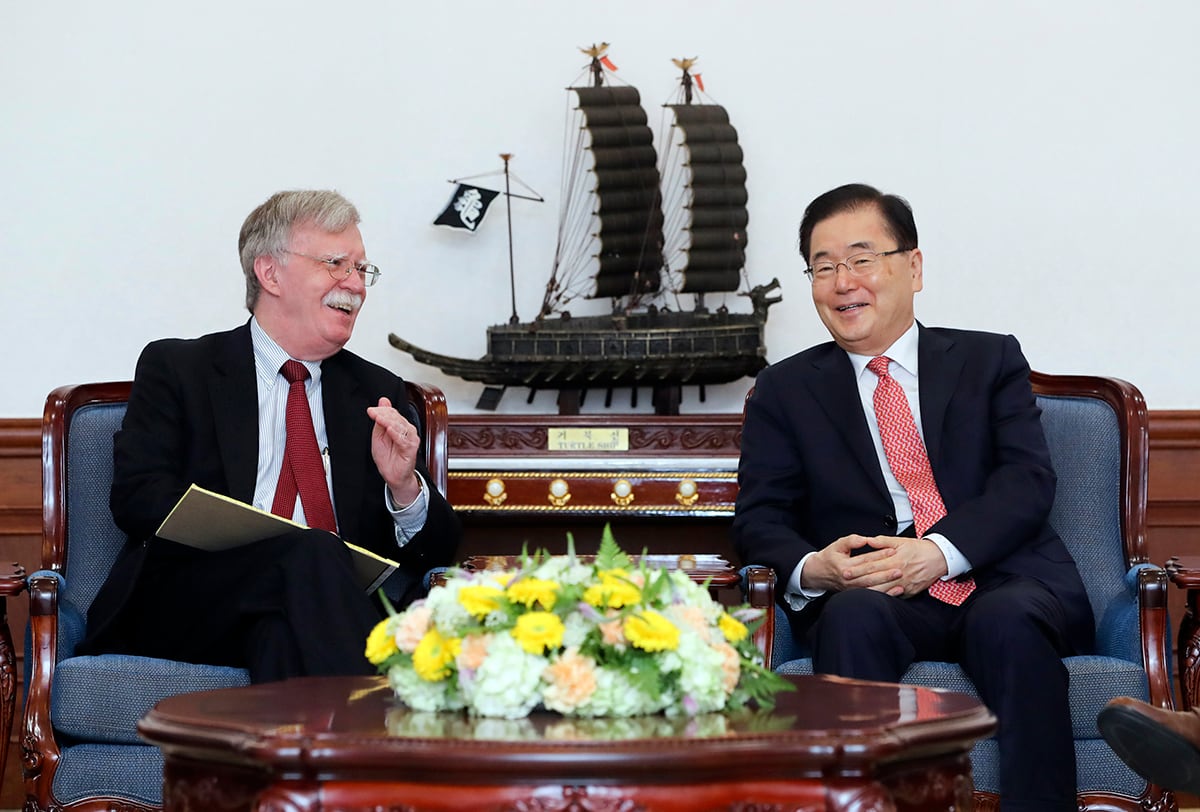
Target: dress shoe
[1160, 745]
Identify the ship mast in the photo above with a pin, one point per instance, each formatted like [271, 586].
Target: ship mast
[686, 80]
[512, 274]
[685, 65]
[596, 52]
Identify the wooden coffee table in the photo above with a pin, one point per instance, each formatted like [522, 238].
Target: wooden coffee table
[344, 743]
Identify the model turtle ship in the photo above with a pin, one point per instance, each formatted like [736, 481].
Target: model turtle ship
[646, 234]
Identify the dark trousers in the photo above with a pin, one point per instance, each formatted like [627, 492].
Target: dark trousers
[1009, 639]
[283, 607]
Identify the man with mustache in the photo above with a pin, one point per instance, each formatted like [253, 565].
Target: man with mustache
[215, 411]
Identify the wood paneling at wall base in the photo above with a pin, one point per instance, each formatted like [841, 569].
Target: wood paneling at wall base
[675, 444]
[20, 477]
[20, 540]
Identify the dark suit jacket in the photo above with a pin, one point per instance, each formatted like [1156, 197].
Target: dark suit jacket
[809, 473]
[193, 417]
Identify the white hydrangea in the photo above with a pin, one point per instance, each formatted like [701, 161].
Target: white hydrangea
[701, 678]
[448, 613]
[685, 590]
[561, 570]
[576, 628]
[421, 695]
[508, 684]
[616, 696]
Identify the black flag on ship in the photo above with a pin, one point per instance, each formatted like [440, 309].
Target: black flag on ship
[466, 208]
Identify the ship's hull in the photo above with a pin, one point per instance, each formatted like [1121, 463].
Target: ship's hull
[650, 349]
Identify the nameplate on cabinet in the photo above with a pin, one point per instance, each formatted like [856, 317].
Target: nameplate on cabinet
[600, 438]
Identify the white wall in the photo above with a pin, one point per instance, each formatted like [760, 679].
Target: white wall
[1048, 148]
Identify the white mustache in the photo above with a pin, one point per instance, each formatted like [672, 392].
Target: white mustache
[343, 299]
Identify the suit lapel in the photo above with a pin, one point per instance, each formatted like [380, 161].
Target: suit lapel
[234, 392]
[940, 368]
[833, 387]
[349, 431]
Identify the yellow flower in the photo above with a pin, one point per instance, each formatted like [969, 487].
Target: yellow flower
[480, 600]
[538, 631]
[733, 629]
[529, 591]
[613, 591]
[650, 631]
[434, 655]
[381, 643]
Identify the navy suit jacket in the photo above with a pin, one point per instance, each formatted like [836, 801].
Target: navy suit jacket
[193, 417]
[809, 473]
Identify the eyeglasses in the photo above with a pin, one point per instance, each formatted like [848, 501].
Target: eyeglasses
[340, 268]
[863, 264]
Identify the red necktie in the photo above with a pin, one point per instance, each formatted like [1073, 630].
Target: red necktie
[909, 462]
[303, 471]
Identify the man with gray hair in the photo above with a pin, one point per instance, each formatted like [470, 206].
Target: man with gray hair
[249, 413]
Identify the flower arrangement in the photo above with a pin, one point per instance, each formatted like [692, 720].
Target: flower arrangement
[601, 638]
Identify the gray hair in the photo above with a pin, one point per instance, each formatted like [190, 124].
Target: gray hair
[268, 229]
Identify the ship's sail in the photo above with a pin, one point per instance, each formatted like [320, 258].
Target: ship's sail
[704, 189]
[610, 234]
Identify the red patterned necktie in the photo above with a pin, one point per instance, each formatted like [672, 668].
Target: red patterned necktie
[303, 471]
[909, 462]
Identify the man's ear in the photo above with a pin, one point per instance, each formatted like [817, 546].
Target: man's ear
[266, 268]
[917, 266]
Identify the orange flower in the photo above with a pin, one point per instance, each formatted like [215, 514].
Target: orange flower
[611, 630]
[692, 616]
[571, 681]
[474, 650]
[731, 666]
[412, 627]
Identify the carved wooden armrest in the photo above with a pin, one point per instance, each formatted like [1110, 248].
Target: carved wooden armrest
[39, 750]
[759, 584]
[1156, 645]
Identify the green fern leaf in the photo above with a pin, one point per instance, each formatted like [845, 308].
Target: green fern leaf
[610, 556]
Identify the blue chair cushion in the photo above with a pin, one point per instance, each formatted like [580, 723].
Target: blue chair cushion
[101, 698]
[134, 772]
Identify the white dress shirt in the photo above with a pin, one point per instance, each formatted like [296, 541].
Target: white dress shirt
[903, 369]
[273, 389]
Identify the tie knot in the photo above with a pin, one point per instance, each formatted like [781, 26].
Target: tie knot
[879, 365]
[294, 371]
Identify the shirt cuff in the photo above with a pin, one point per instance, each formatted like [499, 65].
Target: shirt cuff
[797, 597]
[411, 518]
[956, 562]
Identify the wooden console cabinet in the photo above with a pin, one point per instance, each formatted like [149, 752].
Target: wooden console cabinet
[527, 480]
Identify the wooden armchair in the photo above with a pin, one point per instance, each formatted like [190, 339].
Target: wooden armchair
[1097, 430]
[78, 737]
